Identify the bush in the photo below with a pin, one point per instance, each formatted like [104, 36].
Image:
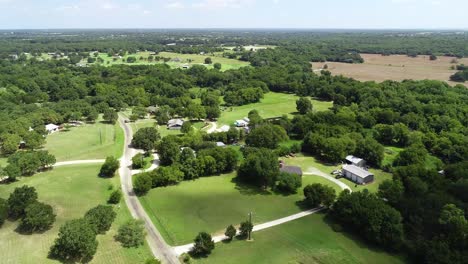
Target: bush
[165, 176]
[186, 259]
[110, 166]
[138, 161]
[101, 217]
[142, 183]
[115, 197]
[317, 194]
[131, 234]
[152, 261]
[230, 232]
[288, 182]
[245, 228]
[38, 217]
[3, 211]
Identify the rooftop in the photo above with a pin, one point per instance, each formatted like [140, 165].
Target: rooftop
[353, 159]
[291, 169]
[360, 172]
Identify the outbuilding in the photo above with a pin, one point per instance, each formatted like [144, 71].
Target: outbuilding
[174, 124]
[241, 123]
[290, 169]
[51, 128]
[357, 174]
[350, 159]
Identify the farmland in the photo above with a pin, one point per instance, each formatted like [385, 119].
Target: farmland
[395, 67]
[212, 203]
[306, 240]
[71, 190]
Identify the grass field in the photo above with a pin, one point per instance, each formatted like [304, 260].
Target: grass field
[396, 67]
[177, 60]
[212, 203]
[306, 240]
[71, 190]
[272, 105]
[90, 141]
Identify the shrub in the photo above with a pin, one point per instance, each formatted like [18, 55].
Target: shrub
[37, 217]
[115, 197]
[142, 183]
[203, 244]
[138, 161]
[131, 234]
[288, 182]
[110, 166]
[101, 217]
[245, 228]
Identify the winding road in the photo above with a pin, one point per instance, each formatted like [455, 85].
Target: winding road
[158, 246]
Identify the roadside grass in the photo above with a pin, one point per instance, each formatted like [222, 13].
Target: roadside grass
[71, 190]
[306, 240]
[3, 162]
[272, 105]
[212, 203]
[142, 123]
[89, 141]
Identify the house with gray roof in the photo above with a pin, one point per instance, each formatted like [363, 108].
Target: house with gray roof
[174, 124]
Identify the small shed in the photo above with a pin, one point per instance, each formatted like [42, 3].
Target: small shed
[174, 124]
[241, 123]
[291, 169]
[51, 128]
[357, 174]
[350, 159]
[220, 144]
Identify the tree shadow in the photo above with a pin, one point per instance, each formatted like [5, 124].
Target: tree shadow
[303, 205]
[248, 189]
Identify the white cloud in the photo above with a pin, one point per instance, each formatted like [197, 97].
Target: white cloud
[175, 5]
[109, 5]
[68, 8]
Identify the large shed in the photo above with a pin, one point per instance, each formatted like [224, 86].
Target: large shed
[357, 174]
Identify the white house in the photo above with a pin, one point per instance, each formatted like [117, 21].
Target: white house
[174, 124]
[51, 128]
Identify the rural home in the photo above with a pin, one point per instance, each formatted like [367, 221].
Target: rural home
[174, 124]
[220, 144]
[290, 169]
[350, 159]
[357, 174]
[51, 128]
[242, 122]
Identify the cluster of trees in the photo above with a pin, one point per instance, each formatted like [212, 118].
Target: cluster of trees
[76, 239]
[26, 163]
[22, 204]
[461, 75]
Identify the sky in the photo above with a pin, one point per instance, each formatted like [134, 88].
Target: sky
[308, 14]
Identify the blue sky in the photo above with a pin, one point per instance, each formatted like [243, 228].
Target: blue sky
[404, 14]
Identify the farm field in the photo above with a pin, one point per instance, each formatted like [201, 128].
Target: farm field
[212, 203]
[272, 105]
[71, 190]
[306, 240]
[395, 67]
[90, 141]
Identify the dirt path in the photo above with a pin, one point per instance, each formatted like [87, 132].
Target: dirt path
[158, 246]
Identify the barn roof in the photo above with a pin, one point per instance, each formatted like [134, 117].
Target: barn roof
[291, 169]
[360, 172]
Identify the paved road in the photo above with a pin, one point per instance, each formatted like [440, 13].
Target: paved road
[158, 246]
[76, 162]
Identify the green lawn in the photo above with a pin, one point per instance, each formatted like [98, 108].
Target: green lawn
[90, 141]
[142, 124]
[191, 59]
[3, 162]
[272, 105]
[212, 203]
[71, 190]
[306, 240]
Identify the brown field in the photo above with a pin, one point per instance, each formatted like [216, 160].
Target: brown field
[396, 67]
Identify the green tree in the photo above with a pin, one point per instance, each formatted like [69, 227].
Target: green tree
[33, 140]
[414, 154]
[115, 197]
[3, 211]
[101, 217]
[289, 182]
[12, 171]
[203, 244]
[208, 60]
[76, 242]
[9, 143]
[37, 217]
[195, 111]
[303, 105]
[146, 138]
[131, 233]
[168, 151]
[230, 232]
[392, 191]
[19, 199]
[318, 194]
[259, 168]
[217, 66]
[245, 228]
[110, 116]
[266, 136]
[142, 183]
[110, 166]
[186, 127]
[138, 161]
[164, 176]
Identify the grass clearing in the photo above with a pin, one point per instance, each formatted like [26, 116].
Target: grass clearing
[71, 190]
[272, 105]
[89, 141]
[212, 203]
[395, 67]
[306, 240]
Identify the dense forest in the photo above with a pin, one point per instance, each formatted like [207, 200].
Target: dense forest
[423, 213]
